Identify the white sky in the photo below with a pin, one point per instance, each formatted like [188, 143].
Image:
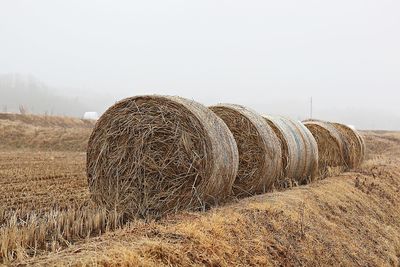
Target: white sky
[269, 55]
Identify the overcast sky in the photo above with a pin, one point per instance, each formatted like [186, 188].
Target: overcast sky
[269, 55]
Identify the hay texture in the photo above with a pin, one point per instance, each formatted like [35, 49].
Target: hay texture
[151, 155]
[363, 145]
[260, 159]
[330, 147]
[299, 151]
[354, 145]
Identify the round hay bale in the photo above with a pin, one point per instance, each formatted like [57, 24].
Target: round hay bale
[260, 159]
[313, 166]
[330, 146]
[363, 146]
[355, 145]
[151, 155]
[299, 151]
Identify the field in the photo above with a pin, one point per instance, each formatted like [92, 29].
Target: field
[47, 217]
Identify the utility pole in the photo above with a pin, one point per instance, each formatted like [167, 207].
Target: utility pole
[311, 108]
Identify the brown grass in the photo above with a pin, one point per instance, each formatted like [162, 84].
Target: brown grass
[152, 155]
[33, 132]
[45, 205]
[37, 181]
[48, 121]
[259, 149]
[26, 236]
[350, 220]
[44, 198]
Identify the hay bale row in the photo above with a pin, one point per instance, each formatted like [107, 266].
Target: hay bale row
[260, 160]
[299, 151]
[330, 146]
[152, 155]
[354, 143]
[340, 147]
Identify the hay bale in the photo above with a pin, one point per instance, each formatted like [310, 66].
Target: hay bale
[330, 146]
[151, 155]
[363, 146]
[260, 160]
[310, 141]
[299, 151]
[354, 145]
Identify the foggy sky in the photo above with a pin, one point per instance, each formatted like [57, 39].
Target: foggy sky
[269, 55]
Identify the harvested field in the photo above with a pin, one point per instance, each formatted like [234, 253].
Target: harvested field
[381, 143]
[45, 133]
[350, 219]
[47, 121]
[260, 160]
[38, 181]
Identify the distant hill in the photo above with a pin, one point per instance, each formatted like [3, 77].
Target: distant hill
[36, 97]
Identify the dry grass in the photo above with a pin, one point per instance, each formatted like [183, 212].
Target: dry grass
[47, 121]
[38, 181]
[351, 219]
[27, 236]
[381, 143]
[152, 155]
[44, 195]
[32, 132]
[260, 161]
[45, 203]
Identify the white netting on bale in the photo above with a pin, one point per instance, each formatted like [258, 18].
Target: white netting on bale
[299, 151]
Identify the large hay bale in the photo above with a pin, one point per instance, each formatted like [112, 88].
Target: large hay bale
[150, 155]
[260, 160]
[299, 151]
[354, 143]
[330, 146]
